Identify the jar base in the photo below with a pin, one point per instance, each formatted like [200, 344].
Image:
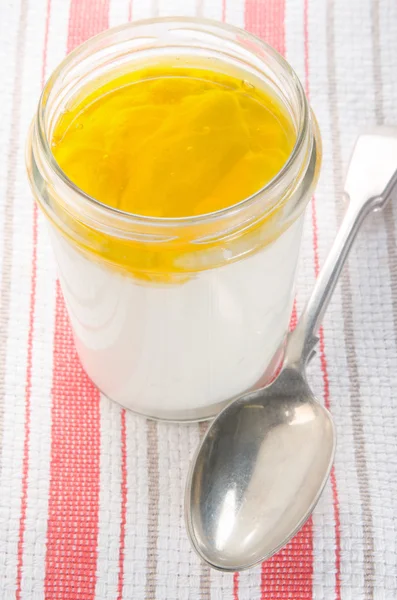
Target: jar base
[208, 413]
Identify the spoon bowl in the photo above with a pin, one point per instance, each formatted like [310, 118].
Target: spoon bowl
[259, 479]
[264, 461]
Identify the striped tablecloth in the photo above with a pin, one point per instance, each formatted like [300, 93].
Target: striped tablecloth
[90, 495]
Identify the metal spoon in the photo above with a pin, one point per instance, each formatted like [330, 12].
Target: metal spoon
[265, 459]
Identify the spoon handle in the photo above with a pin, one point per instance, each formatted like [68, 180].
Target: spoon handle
[363, 198]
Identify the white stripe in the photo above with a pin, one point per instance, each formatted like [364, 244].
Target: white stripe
[235, 13]
[212, 9]
[176, 8]
[109, 516]
[294, 36]
[57, 34]
[250, 584]
[178, 568]
[42, 363]
[40, 423]
[118, 12]
[17, 335]
[141, 10]
[388, 41]
[221, 586]
[324, 547]
[8, 39]
[137, 509]
[294, 49]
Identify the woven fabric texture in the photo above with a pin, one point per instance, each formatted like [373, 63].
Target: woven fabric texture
[91, 496]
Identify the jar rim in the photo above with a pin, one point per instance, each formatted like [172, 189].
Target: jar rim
[188, 220]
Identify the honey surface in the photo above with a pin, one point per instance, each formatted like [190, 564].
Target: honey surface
[168, 142]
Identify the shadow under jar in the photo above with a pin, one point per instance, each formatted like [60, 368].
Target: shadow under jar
[173, 317]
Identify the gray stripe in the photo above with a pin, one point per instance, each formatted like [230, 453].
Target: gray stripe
[391, 241]
[347, 305]
[203, 426]
[153, 509]
[376, 62]
[205, 573]
[7, 249]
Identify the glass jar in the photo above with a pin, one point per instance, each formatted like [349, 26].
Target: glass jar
[193, 310]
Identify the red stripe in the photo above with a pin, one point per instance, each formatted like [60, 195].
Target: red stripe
[236, 582]
[294, 318]
[28, 393]
[289, 573]
[74, 485]
[45, 48]
[87, 18]
[75, 436]
[123, 503]
[28, 380]
[323, 359]
[265, 18]
[337, 535]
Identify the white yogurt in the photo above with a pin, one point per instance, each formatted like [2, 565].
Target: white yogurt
[177, 350]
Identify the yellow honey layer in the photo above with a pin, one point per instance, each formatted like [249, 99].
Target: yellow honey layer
[161, 144]
[169, 142]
